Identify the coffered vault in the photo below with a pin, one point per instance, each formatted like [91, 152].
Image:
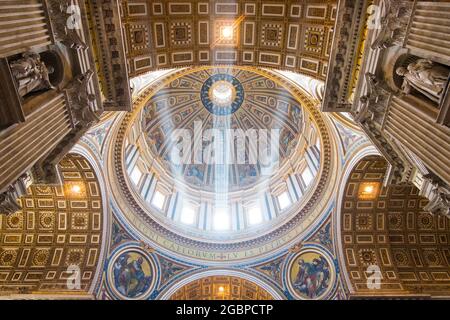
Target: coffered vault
[290, 35]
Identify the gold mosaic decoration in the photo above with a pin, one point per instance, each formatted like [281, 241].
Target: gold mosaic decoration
[57, 228]
[391, 230]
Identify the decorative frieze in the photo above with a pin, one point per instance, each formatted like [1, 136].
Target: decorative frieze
[110, 52]
[374, 104]
[344, 55]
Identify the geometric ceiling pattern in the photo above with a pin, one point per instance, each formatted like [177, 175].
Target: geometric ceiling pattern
[56, 236]
[292, 35]
[388, 228]
[221, 288]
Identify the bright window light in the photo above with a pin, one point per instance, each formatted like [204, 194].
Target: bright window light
[222, 93]
[221, 219]
[136, 175]
[307, 176]
[254, 215]
[227, 32]
[158, 200]
[318, 144]
[187, 215]
[284, 200]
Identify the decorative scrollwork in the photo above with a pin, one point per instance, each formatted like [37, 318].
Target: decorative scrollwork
[81, 100]
[64, 28]
[393, 24]
[439, 196]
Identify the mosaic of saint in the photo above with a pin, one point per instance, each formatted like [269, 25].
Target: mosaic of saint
[132, 274]
[310, 275]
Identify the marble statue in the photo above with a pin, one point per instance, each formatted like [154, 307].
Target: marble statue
[425, 77]
[31, 74]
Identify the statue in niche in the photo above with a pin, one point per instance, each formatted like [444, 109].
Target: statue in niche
[31, 74]
[425, 77]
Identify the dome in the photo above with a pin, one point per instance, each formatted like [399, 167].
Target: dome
[238, 103]
[221, 156]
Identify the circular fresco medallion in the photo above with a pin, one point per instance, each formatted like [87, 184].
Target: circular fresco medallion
[132, 274]
[222, 94]
[310, 275]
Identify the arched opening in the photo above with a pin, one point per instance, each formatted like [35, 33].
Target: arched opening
[221, 288]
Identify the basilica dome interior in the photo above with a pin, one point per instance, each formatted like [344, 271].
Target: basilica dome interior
[224, 149]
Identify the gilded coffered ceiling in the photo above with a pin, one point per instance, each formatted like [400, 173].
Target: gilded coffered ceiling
[224, 150]
[57, 234]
